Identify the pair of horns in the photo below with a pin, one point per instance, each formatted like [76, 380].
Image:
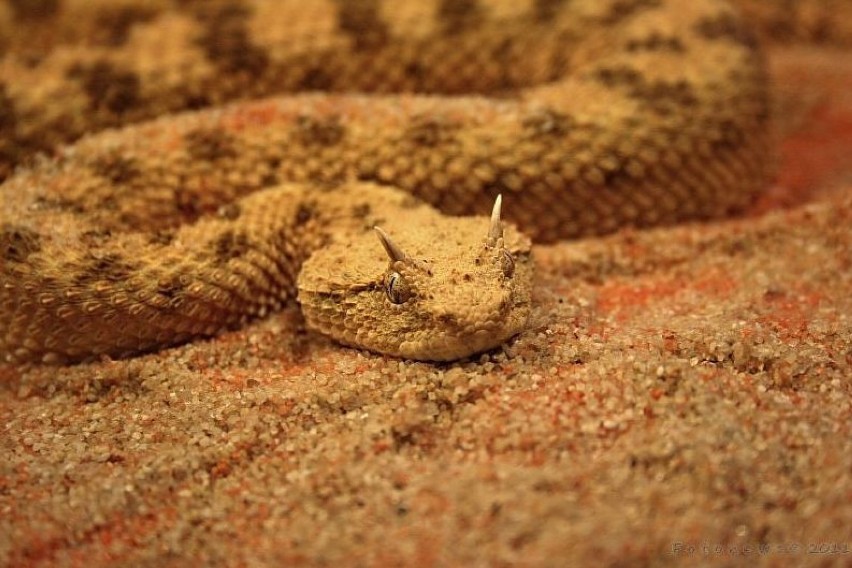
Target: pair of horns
[495, 233]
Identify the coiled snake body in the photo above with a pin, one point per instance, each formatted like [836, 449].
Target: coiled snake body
[585, 115]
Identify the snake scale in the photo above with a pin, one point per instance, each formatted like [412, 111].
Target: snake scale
[161, 225]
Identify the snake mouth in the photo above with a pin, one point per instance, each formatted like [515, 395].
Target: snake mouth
[452, 342]
[454, 348]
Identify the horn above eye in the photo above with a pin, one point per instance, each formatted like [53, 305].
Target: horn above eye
[495, 230]
[394, 252]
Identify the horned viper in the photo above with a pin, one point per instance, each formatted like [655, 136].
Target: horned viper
[163, 225]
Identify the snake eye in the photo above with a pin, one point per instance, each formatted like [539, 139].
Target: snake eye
[396, 288]
[507, 263]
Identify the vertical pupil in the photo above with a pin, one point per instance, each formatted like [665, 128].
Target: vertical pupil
[392, 294]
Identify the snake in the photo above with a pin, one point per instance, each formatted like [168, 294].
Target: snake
[174, 169]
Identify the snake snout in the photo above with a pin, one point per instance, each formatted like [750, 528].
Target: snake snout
[475, 312]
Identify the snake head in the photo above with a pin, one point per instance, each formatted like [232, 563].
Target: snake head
[449, 288]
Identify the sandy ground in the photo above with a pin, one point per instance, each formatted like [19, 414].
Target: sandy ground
[681, 397]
